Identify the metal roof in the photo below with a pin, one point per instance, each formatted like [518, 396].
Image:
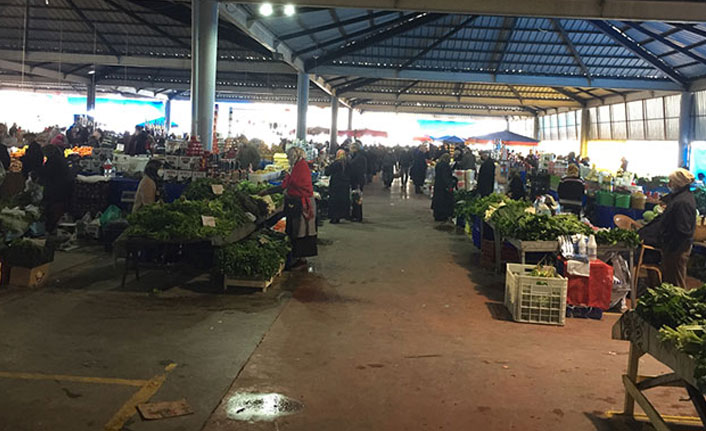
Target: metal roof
[374, 59]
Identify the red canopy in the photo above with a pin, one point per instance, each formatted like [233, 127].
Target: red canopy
[423, 139]
[362, 132]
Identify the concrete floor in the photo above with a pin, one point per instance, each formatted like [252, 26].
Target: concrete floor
[395, 327]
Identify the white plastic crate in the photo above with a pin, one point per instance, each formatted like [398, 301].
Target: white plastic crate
[534, 299]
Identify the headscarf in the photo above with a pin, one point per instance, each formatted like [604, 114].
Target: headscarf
[295, 154]
[681, 178]
[152, 170]
[572, 171]
[340, 154]
[445, 158]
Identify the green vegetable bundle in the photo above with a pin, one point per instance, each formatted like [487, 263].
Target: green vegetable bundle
[251, 188]
[618, 236]
[532, 227]
[680, 316]
[505, 218]
[201, 189]
[477, 206]
[181, 220]
[259, 256]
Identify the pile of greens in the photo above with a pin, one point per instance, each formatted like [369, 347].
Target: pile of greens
[181, 220]
[259, 256]
[533, 227]
[477, 206]
[464, 195]
[254, 189]
[618, 236]
[700, 198]
[200, 189]
[680, 316]
[505, 218]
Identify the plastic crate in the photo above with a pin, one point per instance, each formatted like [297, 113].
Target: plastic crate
[534, 299]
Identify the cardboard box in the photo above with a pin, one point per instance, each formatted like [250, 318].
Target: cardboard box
[29, 277]
[184, 175]
[170, 174]
[198, 174]
[186, 163]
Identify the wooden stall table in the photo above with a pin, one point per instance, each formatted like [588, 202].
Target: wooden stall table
[643, 339]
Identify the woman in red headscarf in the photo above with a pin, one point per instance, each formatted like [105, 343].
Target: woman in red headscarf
[299, 206]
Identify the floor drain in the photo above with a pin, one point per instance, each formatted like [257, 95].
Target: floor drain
[258, 407]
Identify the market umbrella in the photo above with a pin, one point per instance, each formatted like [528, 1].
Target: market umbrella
[506, 137]
[450, 139]
[423, 139]
[362, 132]
[157, 122]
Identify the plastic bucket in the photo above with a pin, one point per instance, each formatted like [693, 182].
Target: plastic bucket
[638, 201]
[622, 200]
[605, 199]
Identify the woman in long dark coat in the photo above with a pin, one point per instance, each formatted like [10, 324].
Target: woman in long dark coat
[339, 202]
[444, 183]
[418, 173]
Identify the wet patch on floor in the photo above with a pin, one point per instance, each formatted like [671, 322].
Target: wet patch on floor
[261, 407]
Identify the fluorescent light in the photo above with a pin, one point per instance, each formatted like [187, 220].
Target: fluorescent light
[91, 72]
[266, 9]
[289, 10]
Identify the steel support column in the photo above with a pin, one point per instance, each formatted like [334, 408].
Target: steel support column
[91, 96]
[334, 125]
[535, 128]
[204, 38]
[685, 127]
[168, 115]
[350, 118]
[585, 128]
[302, 104]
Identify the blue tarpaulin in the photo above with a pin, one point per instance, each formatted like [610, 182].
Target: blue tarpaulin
[157, 122]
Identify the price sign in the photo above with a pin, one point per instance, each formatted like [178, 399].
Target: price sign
[217, 189]
[208, 221]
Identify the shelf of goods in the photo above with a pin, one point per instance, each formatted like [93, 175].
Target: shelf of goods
[644, 339]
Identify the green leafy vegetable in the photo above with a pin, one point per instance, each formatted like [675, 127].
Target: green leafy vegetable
[259, 256]
[618, 236]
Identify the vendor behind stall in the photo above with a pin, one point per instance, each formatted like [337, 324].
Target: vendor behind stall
[677, 227]
[148, 189]
[58, 185]
[571, 191]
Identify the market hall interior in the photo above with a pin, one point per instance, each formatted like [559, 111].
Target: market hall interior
[394, 327]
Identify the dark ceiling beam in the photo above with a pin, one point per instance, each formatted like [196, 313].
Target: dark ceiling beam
[516, 93]
[25, 40]
[628, 43]
[92, 26]
[337, 21]
[407, 88]
[664, 40]
[331, 26]
[634, 10]
[151, 26]
[357, 45]
[352, 87]
[181, 13]
[365, 31]
[437, 42]
[570, 95]
[501, 44]
[570, 46]
[689, 27]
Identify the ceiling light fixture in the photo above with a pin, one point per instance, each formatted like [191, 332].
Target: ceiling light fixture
[289, 10]
[92, 72]
[266, 9]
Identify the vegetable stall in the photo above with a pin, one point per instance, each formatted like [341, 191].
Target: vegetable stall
[669, 324]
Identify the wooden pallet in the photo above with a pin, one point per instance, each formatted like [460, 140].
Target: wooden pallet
[251, 283]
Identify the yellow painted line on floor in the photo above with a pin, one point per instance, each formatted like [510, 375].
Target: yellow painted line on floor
[685, 420]
[146, 392]
[69, 378]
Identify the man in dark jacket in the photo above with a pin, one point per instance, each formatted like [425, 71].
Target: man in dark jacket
[677, 228]
[418, 173]
[358, 167]
[486, 175]
[406, 158]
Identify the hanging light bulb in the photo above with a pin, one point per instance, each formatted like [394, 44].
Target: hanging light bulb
[266, 9]
[289, 10]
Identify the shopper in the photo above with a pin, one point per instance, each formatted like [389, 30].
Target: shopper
[486, 175]
[467, 161]
[418, 172]
[58, 184]
[516, 188]
[32, 160]
[248, 157]
[571, 191]
[4, 157]
[339, 202]
[444, 183]
[406, 159]
[388, 169]
[678, 225]
[148, 191]
[299, 206]
[358, 166]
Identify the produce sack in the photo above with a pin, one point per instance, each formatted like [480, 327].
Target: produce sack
[111, 213]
